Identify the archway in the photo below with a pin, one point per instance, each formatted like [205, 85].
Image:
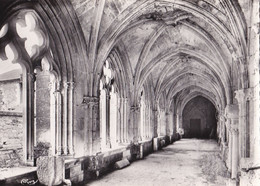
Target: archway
[199, 119]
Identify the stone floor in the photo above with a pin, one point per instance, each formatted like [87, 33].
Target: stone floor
[188, 162]
[15, 171]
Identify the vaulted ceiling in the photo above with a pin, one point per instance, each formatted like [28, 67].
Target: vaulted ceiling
[181, 47]
[178, 48]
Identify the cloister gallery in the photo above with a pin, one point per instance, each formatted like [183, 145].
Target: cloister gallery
[88, 83]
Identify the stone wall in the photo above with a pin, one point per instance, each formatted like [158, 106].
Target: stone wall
[10, 95]
[11, 139]
[11, 124]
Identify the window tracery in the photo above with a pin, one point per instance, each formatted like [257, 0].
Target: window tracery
[24, 44]
[108, 108]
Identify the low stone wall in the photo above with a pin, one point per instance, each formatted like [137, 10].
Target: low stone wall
[90, 167]
[147, 147]
[161, 142]
[79, 170]
[11, 139]
[74, 169]
[28, 177]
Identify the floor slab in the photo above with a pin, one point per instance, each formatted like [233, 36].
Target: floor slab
[188, 162]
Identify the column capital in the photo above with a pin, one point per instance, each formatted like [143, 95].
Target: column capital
[244, 94]
[232, 111]
[122, 99]
[65, 85]
[155, 112]
[228, 125]
[234, 129]
[125, 100]
[58, 87]
[71, 85]
[135, 108]
[87, 100]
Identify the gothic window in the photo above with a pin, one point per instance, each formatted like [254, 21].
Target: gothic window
[108, 108]
[26, 56]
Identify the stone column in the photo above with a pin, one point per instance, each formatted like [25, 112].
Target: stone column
[223, 141]
[113, 123]
[252, 63]
[125, 118]
[169, 124]
[244, 97]
[67, 138]
[151, 129]
[70, 118]
[53, 113]
[65, 118]
[120, 120]
[92, 127]
[235, 154]
[134, 123]
[108, 140]
[155, 114]
[222, 128]
[28, 118]
[43, 114]
[57, 95]
[229, 158]
[253, 74]
[232, 113]
[155, 121]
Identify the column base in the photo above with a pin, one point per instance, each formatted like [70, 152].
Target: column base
[155, 144]
[231, 182]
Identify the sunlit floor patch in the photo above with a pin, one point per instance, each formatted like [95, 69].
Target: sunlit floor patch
[188, 162]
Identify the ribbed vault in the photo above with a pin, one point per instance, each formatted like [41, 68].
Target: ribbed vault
[175, 47]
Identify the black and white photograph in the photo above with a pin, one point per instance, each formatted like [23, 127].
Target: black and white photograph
[129, 93]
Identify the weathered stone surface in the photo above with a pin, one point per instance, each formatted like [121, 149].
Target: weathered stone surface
[166, 51]
[155, 144]
[203, 111]
[122, 163]
[11, 139]
[127, 154]
[50, 170]
[10, 96]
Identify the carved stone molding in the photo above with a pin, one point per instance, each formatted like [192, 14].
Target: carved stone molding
[244, 94]
[228, 125]
[58, 88]
[232, 111]
[71, 85]
[135, 109]
[222, 118]
[234, 129]
[68, 85]
[87, 100]
[31, 77]
[65, 85]
[184, 59]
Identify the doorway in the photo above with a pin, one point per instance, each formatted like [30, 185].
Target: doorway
[195, 128]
